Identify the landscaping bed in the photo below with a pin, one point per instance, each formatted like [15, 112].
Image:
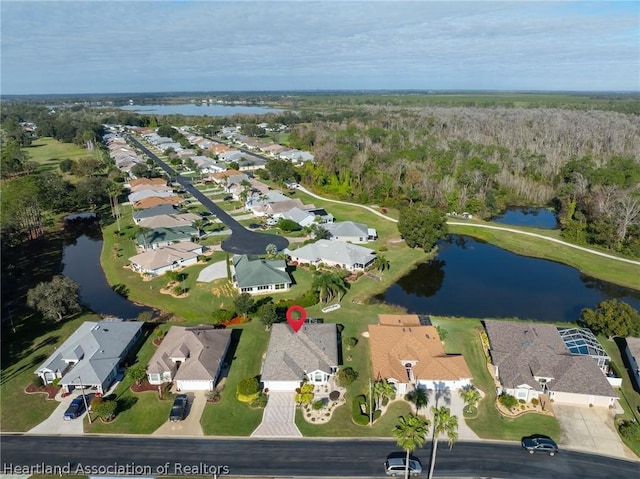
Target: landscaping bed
[50, 390]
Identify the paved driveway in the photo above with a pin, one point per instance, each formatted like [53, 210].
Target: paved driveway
[55, 423]
[279, 416]
[191, 424]
[213, 271]
[590, 429]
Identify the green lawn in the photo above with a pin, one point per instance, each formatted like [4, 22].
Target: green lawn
[616, 272]
[230, 417]
[463, 337]
[48, 152]
[21, 411]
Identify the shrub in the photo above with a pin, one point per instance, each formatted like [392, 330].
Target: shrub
[317, 405]
[358, 410]
[334, 396]
[145, 316]
[535, 401]
[308, 299]
[248, 386]
[260, 401]
[178, 290]
[630, 430]
[37, 382]
[312, 267]
[383, 248]
[305, 396]
[346, 376]
[351, 341]
[221, 315]
[507, 400]
[376, 414]
[521, 401]
[105, 409]
[56, 382]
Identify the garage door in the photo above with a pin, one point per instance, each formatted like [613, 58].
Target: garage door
[282, 385]
[194, 385]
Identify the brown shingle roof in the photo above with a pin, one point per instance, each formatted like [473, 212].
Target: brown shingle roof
[399, 319]
[393, 345]
[148, 181]
[152, 201]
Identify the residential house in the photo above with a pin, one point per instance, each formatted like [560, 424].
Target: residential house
[309, 355]
[531, 361]
[409, 354]
[156, 262]
[141, 195]
[632, 354]
[191, 357]
[169, 221]
[259, 276]
[334, 253]
[154, 211]
[276, 209]
[147, 181]
[297, 156]
[92, 356]
[302, 217]
[144, 187]
[157, 201]
[165, 236]
[321, 215]
[351, 232]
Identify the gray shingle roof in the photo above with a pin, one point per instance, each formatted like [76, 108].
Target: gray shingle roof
[97, 346]
[289, 354]
[523, 351]
[259, 272]
[347, 228]
[155, 211]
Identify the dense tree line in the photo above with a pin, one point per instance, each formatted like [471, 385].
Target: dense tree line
[481, 160]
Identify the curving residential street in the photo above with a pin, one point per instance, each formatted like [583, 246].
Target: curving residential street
[241, 241]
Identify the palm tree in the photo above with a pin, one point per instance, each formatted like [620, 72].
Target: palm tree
[381, 263]
[410, 433]
[419, 397]
[383, 389]
[271, 250]
[470, 395]
[329, 285]
[443, 423]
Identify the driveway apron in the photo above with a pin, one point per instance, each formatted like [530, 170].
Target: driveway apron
[279, 416]
[55, 423]
[190, 426]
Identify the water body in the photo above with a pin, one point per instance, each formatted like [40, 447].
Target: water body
[534, 217]
[195, 109]
[81, 263]
[475, 279]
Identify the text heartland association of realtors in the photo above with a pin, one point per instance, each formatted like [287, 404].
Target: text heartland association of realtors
[129, 469]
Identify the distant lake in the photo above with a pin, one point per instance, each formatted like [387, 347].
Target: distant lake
[475, 279]
[200, 109]
[534, 217]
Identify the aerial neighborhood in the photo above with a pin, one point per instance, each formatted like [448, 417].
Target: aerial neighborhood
[264, 315]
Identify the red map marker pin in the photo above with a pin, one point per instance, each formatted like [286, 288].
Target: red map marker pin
[296, 324]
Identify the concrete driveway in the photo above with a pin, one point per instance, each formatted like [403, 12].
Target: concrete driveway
[590, 429]
[55, 423]
[191, 424]
[213, 271]
[279, 416]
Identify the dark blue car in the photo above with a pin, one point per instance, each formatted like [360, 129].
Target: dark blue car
[75, 409]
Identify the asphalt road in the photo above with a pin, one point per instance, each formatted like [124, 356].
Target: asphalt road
[241, 241]
[301, 457]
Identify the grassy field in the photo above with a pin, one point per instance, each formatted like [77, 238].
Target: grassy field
[48, 152]
[617, 272]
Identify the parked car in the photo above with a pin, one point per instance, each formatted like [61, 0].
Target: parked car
[179, 408]
[395, 464]
[540, 443]
[75, 409]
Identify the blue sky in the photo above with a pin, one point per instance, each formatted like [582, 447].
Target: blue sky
[152, 46]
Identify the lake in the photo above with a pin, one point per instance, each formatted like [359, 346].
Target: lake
[197, 109]
[81, 263]
[523, 216]
[475, 279]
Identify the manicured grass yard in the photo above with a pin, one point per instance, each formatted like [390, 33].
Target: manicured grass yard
[230, 417]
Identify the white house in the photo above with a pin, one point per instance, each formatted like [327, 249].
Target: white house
[351, 232]
[311, 354]
[632, 353]
[190, 357]
[259, 276]
[158, 261]
[334, 253]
